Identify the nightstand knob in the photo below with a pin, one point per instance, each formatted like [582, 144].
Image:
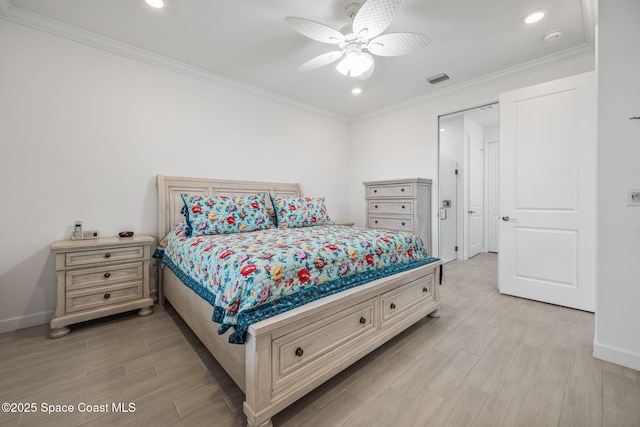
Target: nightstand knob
[107, 275]
[299, 352]
[107, 296]
[107, 255]
[392, 306]
[363, 320]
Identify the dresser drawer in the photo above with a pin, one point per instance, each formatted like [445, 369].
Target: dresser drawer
[101, 296]
[102, 276]
[394, 206]
[100, 256]
[395, 190]
[304, 350]
[391, 223]
[407, 297]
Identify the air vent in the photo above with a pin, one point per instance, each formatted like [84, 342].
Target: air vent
[437, 79]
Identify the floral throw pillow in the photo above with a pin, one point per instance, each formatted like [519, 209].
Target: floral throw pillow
[292, 212]
[223, 215]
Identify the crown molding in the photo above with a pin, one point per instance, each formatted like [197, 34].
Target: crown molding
[506, 74]
[51, 26]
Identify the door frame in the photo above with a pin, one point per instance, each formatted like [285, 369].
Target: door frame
[436, 213]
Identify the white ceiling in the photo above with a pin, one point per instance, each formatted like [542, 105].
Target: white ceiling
[248, 41]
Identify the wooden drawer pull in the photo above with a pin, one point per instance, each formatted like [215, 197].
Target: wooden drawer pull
[107, 296]
[107, 275]
[107, 255]
[299, 352]
[363, 320]
[392, 306]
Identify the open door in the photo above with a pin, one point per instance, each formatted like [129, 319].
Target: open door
[548, 187]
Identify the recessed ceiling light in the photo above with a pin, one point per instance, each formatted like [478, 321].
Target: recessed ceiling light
[534, 16]
[155, 3]
[356, 91]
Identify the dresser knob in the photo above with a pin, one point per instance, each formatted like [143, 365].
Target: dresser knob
[403, 223]
[402, 206]
[376, 221]
[392, 306]
[363, 320]
[402, 189]
[299, 352]
[376, 206]
[107, 275]
[107, 255]
[375, 191]
[425, 289]
[107, 296]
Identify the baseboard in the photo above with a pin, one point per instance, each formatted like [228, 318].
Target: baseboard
[616, 355]
[15, 323]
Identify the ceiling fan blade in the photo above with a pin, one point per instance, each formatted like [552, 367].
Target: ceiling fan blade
[315, 30]
[321, 61]
[396, 44]
[374, 17]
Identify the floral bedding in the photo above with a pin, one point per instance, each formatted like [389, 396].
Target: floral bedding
[248, 277]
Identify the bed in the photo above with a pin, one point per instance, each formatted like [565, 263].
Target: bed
[289, 354]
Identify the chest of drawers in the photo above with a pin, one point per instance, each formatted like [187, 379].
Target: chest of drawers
[100, 277]
[401, 205]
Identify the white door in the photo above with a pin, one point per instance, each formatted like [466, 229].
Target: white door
[493, 196]
[475, 211]
[548, 187]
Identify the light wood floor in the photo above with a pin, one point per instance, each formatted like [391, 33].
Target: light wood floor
[490, 360]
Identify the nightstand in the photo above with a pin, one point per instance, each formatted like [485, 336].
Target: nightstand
[100, 277]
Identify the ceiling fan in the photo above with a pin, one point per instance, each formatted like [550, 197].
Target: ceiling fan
[354, 39]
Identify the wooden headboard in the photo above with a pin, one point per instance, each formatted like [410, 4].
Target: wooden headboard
[170, 189]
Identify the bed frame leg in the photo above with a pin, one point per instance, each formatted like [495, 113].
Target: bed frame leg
[267, 423]
[435, 313]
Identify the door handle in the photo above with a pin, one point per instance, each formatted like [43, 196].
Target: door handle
[506, 219]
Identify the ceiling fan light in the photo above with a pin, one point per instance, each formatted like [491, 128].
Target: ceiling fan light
[355, 64]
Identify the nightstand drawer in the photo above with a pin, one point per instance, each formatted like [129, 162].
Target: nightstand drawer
[80, 258]
[101, 276]
[396, 206]
[91, 298]
[396, 190]
[391, 223]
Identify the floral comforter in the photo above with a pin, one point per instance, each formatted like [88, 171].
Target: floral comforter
[248, 277]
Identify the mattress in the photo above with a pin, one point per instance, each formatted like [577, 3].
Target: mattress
[248, 277]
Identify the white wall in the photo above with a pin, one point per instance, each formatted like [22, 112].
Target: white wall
[403, 143]
[83, 132]
[618, 286]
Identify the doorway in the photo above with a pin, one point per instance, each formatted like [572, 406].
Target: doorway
[467, 185]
